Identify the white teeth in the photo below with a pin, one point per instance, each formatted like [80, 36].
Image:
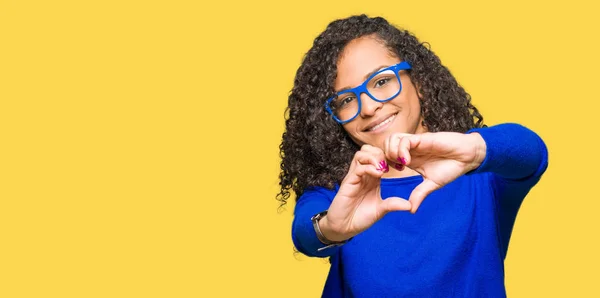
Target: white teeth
[388, 120]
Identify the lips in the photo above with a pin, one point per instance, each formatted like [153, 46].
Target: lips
[380, 122]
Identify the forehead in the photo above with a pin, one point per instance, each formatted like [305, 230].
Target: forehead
[359, 58]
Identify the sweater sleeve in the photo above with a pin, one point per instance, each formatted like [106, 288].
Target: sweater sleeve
[516, 158]
[513, 152]
[311, 202]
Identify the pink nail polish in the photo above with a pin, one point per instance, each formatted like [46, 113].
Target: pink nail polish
[384, 166]
[399, 167]
[403, 160]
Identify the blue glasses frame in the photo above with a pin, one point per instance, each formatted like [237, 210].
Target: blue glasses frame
[363, 89]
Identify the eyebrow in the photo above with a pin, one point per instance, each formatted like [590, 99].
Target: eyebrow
[366, 76]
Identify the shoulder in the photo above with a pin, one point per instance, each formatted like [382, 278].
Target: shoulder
[319, 191]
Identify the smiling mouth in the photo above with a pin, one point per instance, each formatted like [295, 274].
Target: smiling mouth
[382, 124]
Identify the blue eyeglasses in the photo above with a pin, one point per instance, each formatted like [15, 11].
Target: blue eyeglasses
[381, 86]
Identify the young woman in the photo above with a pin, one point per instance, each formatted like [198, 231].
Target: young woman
[397, 179]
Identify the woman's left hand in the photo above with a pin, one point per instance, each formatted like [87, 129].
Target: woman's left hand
[439, 157]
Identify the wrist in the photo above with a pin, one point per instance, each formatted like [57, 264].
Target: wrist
[480, 150]
[329, 233]
[317, 221]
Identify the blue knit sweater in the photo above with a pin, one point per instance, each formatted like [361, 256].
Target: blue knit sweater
[454, 246]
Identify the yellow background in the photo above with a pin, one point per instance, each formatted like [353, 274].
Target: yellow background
[140, 140]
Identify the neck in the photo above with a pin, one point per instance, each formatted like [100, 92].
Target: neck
[393, 173]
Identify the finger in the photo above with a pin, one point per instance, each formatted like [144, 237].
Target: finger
[371, 158]
[395, 204]
[404, 150]
[391, 150]
[375, 151]
[386, 144]
[368, 169]
[420, 192]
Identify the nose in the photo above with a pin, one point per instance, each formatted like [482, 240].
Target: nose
[369, 106]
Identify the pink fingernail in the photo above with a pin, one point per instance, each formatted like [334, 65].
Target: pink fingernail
[399, 167]
[403, 160]
[384, 166]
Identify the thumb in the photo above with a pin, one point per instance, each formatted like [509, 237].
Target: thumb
[395, 204]
[420, 192]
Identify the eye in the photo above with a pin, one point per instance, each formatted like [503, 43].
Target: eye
[347, 100]
[381, 82]
[344, 101]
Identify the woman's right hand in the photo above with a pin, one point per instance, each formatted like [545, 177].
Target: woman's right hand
[358, 203]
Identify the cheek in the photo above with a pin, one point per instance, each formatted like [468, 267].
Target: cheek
[357, 141]
[416, 109]
[351, 130]
[415, 114]
[410, 115]
[413, 104]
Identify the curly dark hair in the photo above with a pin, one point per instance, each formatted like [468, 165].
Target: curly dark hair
[315, 150]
